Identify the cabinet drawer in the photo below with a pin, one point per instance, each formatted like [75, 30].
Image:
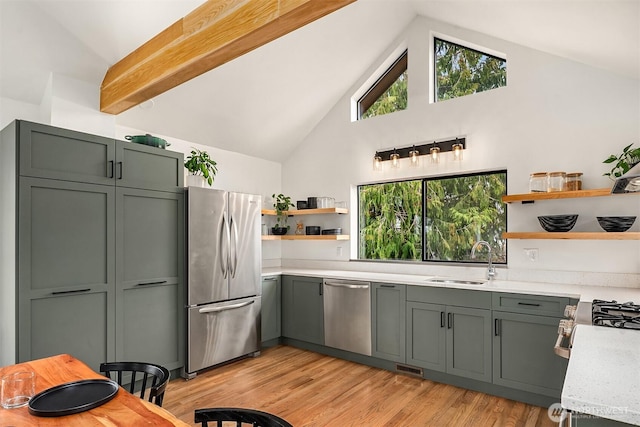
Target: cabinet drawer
[531, 304]
[456, 297]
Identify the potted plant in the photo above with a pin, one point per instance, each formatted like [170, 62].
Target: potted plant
[623, 162]
[281, 204]
[200, 165]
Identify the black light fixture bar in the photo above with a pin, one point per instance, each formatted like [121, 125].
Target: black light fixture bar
[423, 149]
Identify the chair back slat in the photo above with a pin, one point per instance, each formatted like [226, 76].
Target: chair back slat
[241, 416]
[154, 378]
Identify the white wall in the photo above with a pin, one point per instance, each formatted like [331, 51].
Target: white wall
[554, 114]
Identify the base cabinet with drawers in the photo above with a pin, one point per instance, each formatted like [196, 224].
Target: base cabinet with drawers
[99, 237]
[525, 330]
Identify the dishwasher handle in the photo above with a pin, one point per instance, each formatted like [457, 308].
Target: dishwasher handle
[349, 285]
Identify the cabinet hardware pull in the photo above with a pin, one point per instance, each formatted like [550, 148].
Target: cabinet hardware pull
[388, 286]
[120, 176]
[75, 291]
[159, 282]
[271, 279]
[449, 320]
[531, 304]
[319, 288]
[442, 319]
[496, 327]
[111, 166]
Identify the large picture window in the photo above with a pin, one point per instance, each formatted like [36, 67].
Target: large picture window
[433, 219]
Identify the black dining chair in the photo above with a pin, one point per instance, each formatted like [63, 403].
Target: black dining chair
[241, 416]
[154, 378]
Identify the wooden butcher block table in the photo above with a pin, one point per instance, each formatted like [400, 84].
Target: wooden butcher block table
[124, 409]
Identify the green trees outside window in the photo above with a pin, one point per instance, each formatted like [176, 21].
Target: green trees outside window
[393, 99]
[433, 219]
[462, 71]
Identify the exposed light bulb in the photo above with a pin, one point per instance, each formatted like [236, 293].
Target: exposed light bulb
[414, 157]
[395, 159]
[435, 154]
[377, 163]
[457, 150]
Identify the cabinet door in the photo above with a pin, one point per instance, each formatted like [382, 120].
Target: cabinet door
[50, 152]
[271, 311]
[149, 279]
[426, 335]
[149, 168]
[75, 322]
[522, 353]
[66, 269]
[388, 320]
[302, 309]
[469, 342]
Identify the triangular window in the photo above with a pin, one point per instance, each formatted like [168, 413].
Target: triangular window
[388, 94]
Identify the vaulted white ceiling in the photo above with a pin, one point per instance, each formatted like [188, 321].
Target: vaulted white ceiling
[265, 102]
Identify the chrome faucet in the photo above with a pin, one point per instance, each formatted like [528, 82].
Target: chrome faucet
[491, 270]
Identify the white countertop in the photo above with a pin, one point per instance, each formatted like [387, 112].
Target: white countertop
[604, 369]
[604, 373]
[582, 292]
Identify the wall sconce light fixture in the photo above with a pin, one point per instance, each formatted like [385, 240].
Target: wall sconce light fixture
[434, 149]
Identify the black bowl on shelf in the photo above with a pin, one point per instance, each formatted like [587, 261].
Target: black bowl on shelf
[616, 223]
[557, 223]
[279, 231]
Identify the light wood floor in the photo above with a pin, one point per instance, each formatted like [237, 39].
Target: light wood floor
[310, 389]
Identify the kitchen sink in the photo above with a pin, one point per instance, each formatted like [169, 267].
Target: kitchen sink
[456, 281]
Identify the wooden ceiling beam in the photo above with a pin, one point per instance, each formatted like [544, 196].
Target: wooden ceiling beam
[215, 33]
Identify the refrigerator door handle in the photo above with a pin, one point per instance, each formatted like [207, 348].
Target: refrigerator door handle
[224, 308]
[235, 248]
[224, 258]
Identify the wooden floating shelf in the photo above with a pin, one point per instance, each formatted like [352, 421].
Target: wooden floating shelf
[309, 211]
[577, 235]
[309, 237]
[531, 197]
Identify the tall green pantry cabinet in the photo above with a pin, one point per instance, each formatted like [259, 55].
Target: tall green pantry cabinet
[99, 247]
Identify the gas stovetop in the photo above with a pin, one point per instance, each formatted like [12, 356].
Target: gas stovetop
[614, 314]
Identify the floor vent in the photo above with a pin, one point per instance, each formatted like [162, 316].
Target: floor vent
[411, 370]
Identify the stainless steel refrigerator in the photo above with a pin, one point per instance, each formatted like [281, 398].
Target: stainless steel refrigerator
[224, 265]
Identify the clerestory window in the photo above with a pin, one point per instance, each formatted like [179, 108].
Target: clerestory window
[461, 71]
[389, 93]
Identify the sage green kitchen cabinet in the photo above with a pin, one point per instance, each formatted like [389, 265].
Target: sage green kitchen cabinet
[525, 331]
[89, 239]
[388, 321]
[56, 153]
[149, 276]
[446, 337]
[271, 311]
[303, 309]
[66, 264]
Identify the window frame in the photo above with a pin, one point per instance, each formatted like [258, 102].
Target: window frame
[423, 187]
[465, 45]
[382, 84]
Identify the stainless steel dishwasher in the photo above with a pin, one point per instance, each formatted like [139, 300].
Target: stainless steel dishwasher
[347, 315]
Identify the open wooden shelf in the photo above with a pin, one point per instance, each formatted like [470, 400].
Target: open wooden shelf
[305, 237]
[531, 197]
[309, 211]
[576, 235]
